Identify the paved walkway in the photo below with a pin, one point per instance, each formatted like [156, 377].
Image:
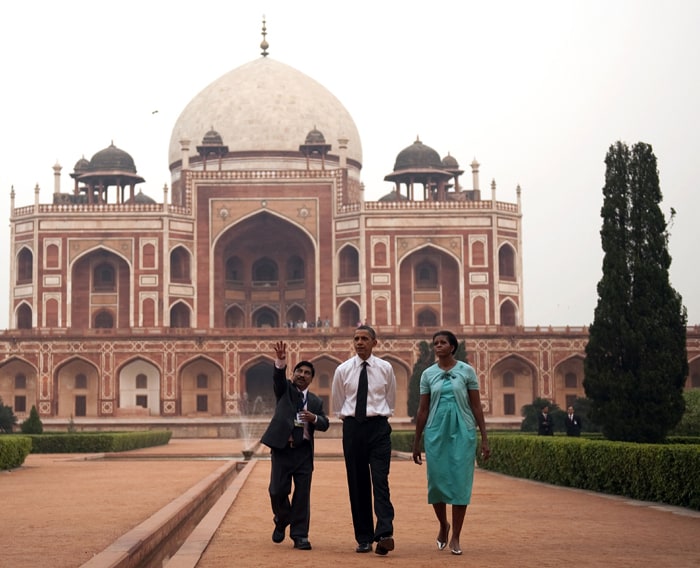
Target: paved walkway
[62, 510]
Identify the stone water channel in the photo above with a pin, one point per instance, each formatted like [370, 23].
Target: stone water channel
[162, 539]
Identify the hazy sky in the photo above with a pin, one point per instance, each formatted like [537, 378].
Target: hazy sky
[536, 91]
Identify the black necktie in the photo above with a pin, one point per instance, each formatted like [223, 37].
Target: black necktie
[298, 432]
[361, 404]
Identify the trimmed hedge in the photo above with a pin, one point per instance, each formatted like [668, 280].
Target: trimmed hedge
[96, 442]
[14, 450]
[664, 473]
[402, 440]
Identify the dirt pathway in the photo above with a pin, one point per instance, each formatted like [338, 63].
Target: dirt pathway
[59, 511]
[511, 523]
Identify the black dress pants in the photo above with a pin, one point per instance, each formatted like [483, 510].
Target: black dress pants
[367, 451]
[292, 464]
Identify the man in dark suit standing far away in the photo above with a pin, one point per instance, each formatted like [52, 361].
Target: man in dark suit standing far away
[573, 422]
[545, 424]
[290, 435]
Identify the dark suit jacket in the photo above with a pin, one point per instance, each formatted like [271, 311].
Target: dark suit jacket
[573, 427]
[545, 426]
[280, 428]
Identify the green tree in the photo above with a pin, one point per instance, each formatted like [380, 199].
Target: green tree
[690, 423]
[7, 418]
[461, 354]
[426, 357]
[636, 359]
[33, 424]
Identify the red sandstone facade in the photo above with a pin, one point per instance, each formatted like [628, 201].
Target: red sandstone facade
[123, 307]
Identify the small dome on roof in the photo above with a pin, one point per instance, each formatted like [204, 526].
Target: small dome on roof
[393, 195]
[81, 165]
[417, 156]
[212, 138]
[143, 199]
[112, 159]
[315, 137]
[449, 162]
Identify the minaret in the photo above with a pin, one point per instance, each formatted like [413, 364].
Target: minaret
[57, 177]
[475, 174]
[185, 150]
[343, 152]
[343, 164]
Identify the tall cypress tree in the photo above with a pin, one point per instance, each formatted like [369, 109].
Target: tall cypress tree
[636, 360]
[607, 356]
[660, 318]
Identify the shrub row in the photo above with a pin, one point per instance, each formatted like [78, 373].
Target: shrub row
[402, 440]
[97, 442]
[13, 450]
[662, 473]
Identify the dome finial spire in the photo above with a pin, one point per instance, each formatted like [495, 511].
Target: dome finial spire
[263, 44]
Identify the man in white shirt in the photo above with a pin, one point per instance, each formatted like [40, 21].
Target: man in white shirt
[365, 413]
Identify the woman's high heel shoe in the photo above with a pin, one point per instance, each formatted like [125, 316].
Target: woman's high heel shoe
[442, 544]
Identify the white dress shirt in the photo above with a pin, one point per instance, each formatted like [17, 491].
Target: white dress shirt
[381, 387]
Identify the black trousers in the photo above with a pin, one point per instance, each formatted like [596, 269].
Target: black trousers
[292, 465]
[367, 450]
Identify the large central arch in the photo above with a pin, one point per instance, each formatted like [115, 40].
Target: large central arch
[430, 288]
[101, 290]
[264, 273]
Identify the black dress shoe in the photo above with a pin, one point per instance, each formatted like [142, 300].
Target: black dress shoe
[364, 547]
[278, 534]
[385, 545]
[302, 543]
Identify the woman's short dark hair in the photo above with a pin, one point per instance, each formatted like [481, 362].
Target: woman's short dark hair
[451, 338]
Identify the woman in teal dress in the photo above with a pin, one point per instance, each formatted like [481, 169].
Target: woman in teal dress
[449, 413]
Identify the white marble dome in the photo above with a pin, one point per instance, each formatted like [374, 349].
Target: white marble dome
[265, 105]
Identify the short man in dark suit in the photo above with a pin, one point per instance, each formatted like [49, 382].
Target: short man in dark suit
[545, 424]
[573, 422]
[290, 435]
